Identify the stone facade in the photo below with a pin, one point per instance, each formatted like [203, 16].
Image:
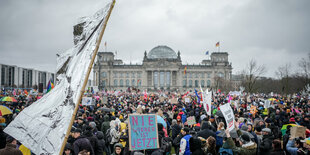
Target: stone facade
[161, 68]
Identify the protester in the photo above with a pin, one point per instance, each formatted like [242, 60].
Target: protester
[81, 143]
[184, 145]
[10, 148]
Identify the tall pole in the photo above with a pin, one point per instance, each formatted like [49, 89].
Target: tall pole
[86, 79]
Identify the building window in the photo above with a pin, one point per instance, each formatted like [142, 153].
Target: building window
[139, 75]
[196, 83]
[127, 83]
[139, 83]
[220, 74]
[115, 83]
[202, 83]
[168, 79]
[189, 75]
[202, 75]
[190, 83]
[121, 75]
[115, 75]
[196, 75]
[133, 75]
[133, 82]
[208, 83]
[103, 83]
[127, 75]
[162, 79]
[155, 79]
[208, 75]
[121, 83]
[104, 74]
[184, 83]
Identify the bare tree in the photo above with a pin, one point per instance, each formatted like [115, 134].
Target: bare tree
[284, 73]
[252, 73]
[304, 64]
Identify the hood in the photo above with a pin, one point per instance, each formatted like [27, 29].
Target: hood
[106, 118]
[205, 125]
[195, 144]
[118, 145]
[250, 146]
[100, 135]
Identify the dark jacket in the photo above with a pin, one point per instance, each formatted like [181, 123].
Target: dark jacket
[106, 124]
[176, 129]
[265, 146]
[206, 132]
[82, 143]
[118, 145]
[278, 152]
[101, 142]
[195, 146]
[10, 149]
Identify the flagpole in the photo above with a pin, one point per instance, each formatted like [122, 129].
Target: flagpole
[86, 79]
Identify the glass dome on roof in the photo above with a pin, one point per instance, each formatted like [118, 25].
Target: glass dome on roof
[162, 52]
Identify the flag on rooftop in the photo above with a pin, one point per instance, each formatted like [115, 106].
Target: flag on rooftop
[50, 86]
[207, 53]
[43, 125]
[217, 44]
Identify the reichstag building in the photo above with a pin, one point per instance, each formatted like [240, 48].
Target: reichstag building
[161, 68]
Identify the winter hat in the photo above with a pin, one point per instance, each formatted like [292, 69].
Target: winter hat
[244, 128]
[179, 117]
[266, 130]
[2, 120]
[245, 138]
[186, 129]
[268, 120]
[9, 139]
[92, 125]
[292, 119]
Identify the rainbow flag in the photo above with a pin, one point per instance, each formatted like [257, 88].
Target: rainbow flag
[50, 86]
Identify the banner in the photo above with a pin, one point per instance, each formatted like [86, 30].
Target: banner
[143, 132]
[191, 120]
[87, 101]
[229, 116]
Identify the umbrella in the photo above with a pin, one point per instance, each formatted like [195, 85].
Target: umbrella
[105, 109]
[284, 128]
[5, 110]
[9, 99]
[161, 121]
[234, 134]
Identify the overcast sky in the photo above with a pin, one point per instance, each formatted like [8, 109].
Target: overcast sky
[273, 32]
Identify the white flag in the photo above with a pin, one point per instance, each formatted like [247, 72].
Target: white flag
[42, 126]
[207, 97]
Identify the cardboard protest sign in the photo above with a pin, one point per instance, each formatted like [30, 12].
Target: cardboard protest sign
[191, 120]
[267, 104]
[87, 101]
[174, 101]
[298, 131]
[161, 99]
[229, 116]
[143, 132]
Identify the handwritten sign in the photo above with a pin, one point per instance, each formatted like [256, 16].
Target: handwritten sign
[143, 132]
[229, 116]
[87, 101]
[253, 110]
[191, 120]
[174, 101]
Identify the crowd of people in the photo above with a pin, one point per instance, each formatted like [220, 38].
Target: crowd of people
[102, 128]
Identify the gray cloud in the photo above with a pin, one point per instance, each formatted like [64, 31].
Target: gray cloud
[272, 32]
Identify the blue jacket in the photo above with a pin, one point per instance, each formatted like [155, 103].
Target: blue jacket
[187, 150]
[291, 148]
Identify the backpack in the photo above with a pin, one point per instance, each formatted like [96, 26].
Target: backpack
[108, 137]
[223, 151]
[166, 144]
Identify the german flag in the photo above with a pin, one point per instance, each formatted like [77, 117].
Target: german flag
[217, 44]
[185, 68]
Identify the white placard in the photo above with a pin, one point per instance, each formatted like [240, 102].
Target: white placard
[229, 116]
[87, 101]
